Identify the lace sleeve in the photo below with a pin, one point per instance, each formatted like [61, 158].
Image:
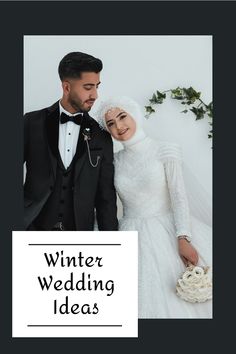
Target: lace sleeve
[170, 155]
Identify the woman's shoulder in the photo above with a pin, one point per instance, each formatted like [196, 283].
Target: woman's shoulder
[118, 155]
[169, 151]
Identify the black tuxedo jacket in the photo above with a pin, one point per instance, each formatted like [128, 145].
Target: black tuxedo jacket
[93, 187]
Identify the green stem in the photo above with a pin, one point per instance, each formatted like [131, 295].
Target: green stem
[166, 91]
[202, 102]
[199, 104]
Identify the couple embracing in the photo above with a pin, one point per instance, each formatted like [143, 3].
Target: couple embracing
[71, 173]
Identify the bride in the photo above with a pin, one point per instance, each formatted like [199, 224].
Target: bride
[149, 182]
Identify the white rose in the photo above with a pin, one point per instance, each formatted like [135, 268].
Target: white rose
[195, 285]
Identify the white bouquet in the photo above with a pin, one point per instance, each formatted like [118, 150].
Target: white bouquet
[195, 285]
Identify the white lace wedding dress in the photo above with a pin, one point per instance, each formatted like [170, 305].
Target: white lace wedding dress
[149, 182]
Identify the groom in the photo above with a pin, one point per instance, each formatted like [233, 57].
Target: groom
[69, 159]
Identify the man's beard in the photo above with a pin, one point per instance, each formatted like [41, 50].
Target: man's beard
[76, 104]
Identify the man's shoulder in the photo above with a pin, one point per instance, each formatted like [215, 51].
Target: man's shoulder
[42, 112]
[98, 129]
[36, 113]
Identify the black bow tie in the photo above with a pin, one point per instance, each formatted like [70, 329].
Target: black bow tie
[64, 118]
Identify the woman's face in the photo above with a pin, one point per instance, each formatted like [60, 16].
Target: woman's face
[120, 124]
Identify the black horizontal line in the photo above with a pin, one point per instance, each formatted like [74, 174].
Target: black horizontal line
[74, 244]
[74, 325]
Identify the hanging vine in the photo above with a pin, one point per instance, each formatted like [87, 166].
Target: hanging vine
[191, 100]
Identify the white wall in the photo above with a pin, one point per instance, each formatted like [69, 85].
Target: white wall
[134, 66]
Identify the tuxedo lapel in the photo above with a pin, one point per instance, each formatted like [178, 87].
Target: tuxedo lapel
[81, 145]
[52, 132]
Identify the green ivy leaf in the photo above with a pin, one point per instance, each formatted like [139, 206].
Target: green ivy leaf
[199, 112]
[153, 100]
[177, 93]
[209, 108]
[149, 109]
[191, 94]
[161, 95]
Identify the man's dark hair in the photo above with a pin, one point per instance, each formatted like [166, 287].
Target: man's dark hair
[73, 64]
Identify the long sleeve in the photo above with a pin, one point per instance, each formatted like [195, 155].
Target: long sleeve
[105, 203]
[172, 159]
[26, 135]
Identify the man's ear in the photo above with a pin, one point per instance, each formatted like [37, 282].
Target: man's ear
[66, 87]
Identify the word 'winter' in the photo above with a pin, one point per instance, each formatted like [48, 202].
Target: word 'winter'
[79, 261]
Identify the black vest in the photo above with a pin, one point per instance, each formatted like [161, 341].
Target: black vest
[60, 204]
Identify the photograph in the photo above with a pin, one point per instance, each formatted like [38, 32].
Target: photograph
[118, 137]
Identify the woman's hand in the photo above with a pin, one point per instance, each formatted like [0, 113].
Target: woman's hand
[187, 252]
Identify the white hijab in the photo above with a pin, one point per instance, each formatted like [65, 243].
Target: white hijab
[129, 106]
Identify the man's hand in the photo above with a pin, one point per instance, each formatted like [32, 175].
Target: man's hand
[187, 252]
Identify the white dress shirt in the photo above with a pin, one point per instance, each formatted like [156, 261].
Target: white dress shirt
[68, 138]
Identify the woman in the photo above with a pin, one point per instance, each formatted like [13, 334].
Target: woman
[149, 182]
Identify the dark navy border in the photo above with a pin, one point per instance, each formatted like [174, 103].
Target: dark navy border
[122, 18]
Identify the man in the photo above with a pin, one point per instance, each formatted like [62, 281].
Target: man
[69, 159]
